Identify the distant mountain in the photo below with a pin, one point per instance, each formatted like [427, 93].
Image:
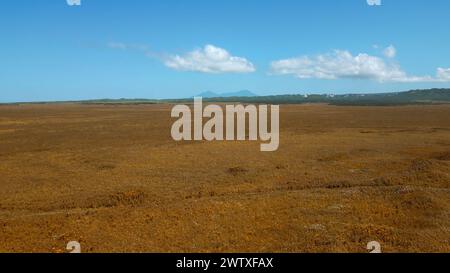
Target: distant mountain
[242, 93]
[427, 96]
[208, 94]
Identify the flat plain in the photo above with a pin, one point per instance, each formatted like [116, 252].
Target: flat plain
[112, 178]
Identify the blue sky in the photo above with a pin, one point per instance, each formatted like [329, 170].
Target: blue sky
[169, 49]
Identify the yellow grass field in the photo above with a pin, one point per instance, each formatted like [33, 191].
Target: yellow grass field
[112, 178]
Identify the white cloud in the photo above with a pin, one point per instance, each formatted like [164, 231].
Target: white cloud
[390, 51]
[374, 2]
[73, 2]
[341, 64]
[210, 59]
[443, 74]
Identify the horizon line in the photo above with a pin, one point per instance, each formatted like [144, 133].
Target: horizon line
[189, 98]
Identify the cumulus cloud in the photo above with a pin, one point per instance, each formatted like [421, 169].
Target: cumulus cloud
[390, 51]
[341, 64]
[210, 59]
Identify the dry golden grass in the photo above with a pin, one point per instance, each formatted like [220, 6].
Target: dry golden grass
[112, 178]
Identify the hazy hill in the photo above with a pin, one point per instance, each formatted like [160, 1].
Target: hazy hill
[398, 98]
[427, 96]
[242, 93]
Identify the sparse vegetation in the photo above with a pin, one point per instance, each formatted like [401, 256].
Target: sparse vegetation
[111, 177]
